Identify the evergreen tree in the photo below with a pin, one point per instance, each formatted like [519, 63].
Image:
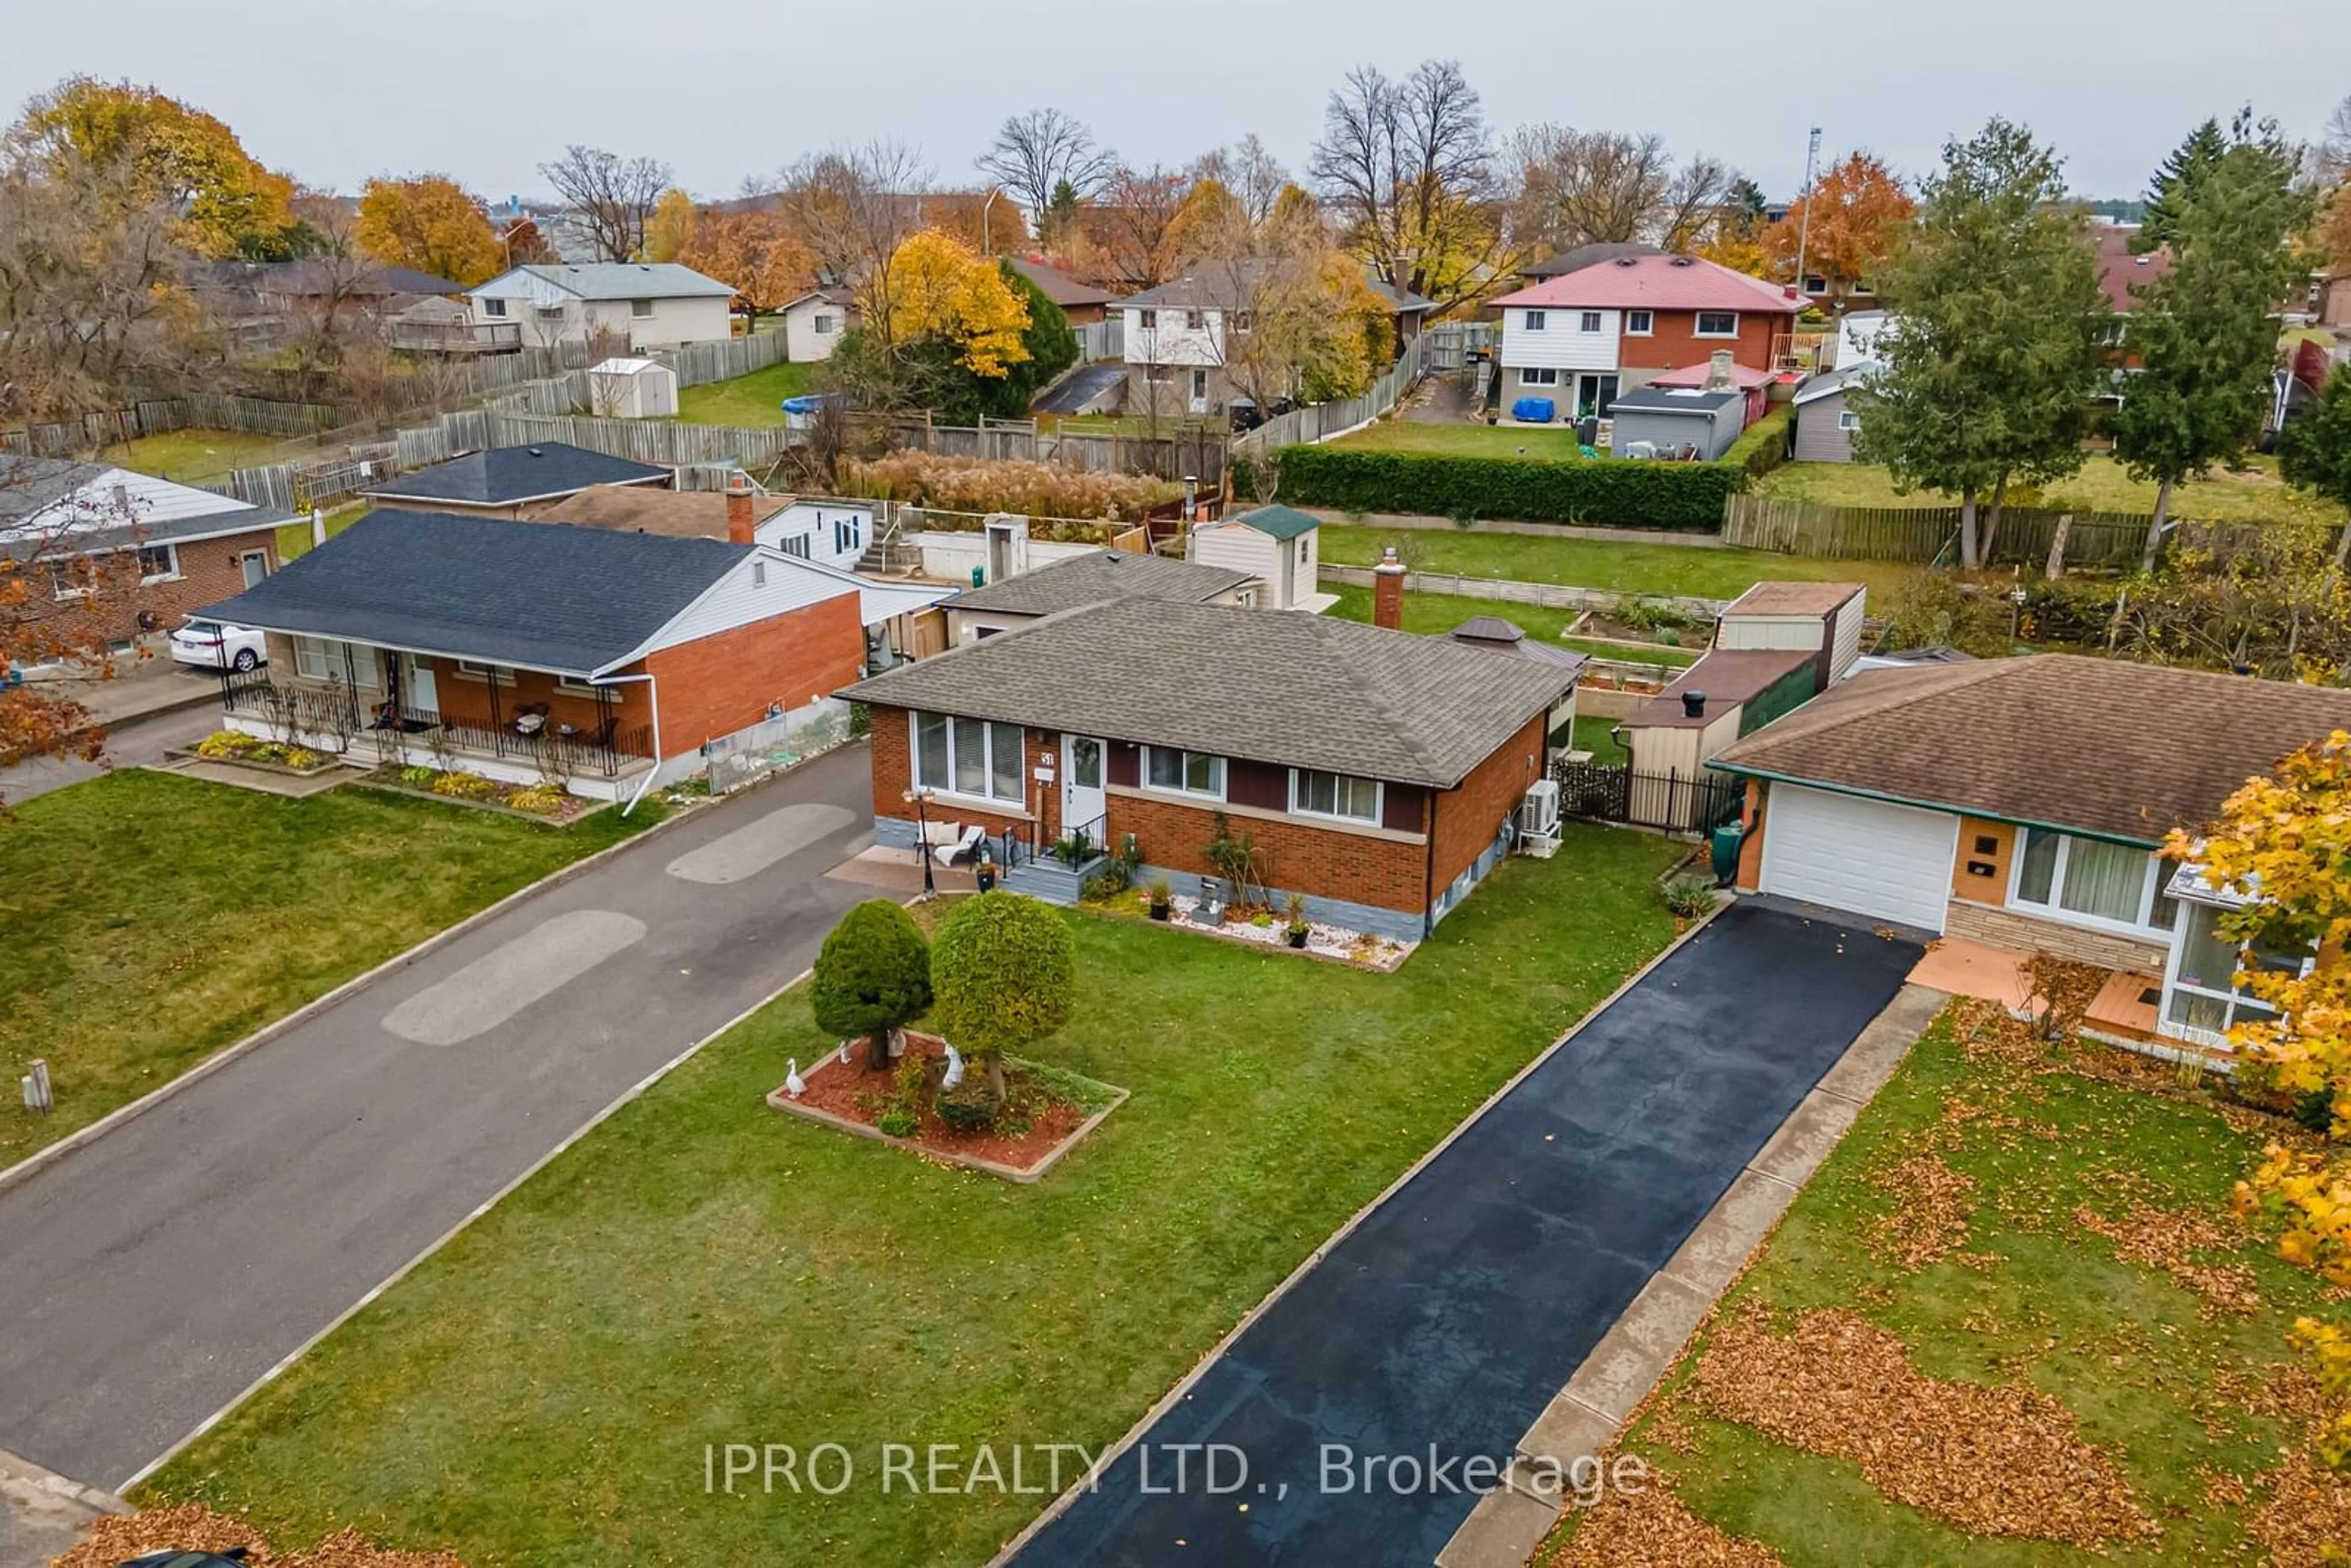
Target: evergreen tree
[2176, 181]
[2314, 450]
[1993, 349]
[2205, 333]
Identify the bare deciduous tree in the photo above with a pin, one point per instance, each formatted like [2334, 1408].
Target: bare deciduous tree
[1133, 221]
[852, 207]
[1037, 152]
[1406, 168]
[90, 281]
[611, 196]
[1584, 187]
[1250, 171]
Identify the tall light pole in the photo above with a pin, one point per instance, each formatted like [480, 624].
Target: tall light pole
[993, 192]
[1804, 226]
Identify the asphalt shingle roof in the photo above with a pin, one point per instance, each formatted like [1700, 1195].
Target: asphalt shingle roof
[620, 280]
[1792, 599]
[1281, 522]
[541, 596]
[2100, 745]
[504, 475]
[1094, 579]
[1276, 686]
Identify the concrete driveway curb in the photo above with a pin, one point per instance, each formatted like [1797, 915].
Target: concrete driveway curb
[1169, 1400]
[1507, 1526]
[42, 1513]
[40, 1159]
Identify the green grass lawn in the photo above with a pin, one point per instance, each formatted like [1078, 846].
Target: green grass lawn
[294, 539]
[153, 920]
[1435, 613]
[1466, 440]
[747, 402]
[701, 1269]
[2167, 1382]
[1698, 571]
[1593, 735]
[192, 457]
[2257, 494]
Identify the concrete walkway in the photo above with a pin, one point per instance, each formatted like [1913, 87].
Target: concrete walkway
[1446, 1324]
[42, 1512]
[153, 1275]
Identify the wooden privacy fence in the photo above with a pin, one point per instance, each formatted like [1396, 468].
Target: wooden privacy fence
[1926, 533]
[1320, 420]
[157, 416]
[723, 361]
[1194, 453]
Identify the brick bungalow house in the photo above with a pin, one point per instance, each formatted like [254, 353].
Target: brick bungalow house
[1377, 770]
[189, 546]
[461, 641]
[1581, 337]
[2019, 805]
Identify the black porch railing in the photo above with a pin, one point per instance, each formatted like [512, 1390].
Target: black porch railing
[349, 718]
[1675, 802]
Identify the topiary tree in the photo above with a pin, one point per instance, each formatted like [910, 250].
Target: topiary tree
[1004, 972]
[872, 977]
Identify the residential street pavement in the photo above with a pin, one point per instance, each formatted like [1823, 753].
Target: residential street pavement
[152, 1275]
[136, 743]
[1442, 1326]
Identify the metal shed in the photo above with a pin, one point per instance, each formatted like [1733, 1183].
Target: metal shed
[1661, 422]
[632, 389]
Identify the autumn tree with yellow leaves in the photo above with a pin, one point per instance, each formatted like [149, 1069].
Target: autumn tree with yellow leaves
[939, 289]
[429, 223]
[754, 252]
[2282, 847]
[669, 233]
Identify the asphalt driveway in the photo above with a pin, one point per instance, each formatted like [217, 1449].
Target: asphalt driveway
[1444, 1323]
[150, 1276]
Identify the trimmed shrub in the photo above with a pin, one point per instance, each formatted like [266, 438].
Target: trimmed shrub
[1604, 493]
[968, 1107]
[1004, 974]
[465, 786]
[872, 976]
[1762, 446]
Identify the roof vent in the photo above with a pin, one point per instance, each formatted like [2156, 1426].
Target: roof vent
[1693, 705]
[535, 452]
[1628, 261]
[1683, 261]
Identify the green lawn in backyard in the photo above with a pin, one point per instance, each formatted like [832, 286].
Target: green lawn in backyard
[1594, 733]
[294, 539]
[747, 402]
[703, 1270]
[1466, 440]
[2257, 494]
[152, 919]
[1439, 613]
[1698, 571]
[192, 457]
[2151, 1372]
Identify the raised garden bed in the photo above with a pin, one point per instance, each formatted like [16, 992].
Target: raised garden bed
[1259, 928]
[239, 749]
[1681, 634]
[532, 802]
[1046, 1111]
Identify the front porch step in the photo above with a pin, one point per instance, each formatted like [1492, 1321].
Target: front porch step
[1050, 880]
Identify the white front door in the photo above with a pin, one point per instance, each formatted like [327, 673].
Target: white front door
[1083, 799]
[1870, 857]
[422, 691]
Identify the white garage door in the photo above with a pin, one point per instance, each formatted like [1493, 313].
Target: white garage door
[1891, 862]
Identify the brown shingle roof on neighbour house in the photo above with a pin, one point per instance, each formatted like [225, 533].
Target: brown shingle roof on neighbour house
[1299, 691]
[1104, 575]
[1792, 598]
[2102, 747]
[1727, 676]
[680, 514]
[1058, 286]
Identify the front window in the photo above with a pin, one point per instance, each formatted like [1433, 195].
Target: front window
[1146, 321]
[2091, 879]
[476, 670]
[1195, 321]
[1717, 324]
[1187, 772]
[156, 563]
[326, 659]
[1334, 795]
[495, 309]
[968, 757]
[641, 309]
[2205, 993]
[1159, 375]
[1815, 284]
[1538, 376]
[1639, 323]
[848, 533]
[1534, 321]
[1588, 322]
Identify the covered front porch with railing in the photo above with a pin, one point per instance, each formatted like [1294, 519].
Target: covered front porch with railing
[376, 709]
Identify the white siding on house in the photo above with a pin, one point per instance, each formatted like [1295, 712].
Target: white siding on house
[1560, 343]
[1796, 632]
[766, 585]
[836, 532]
[1238, 548]
[1845, 641]
[1871, 858]
[552, 318]
[1171, 342]
[802, 342]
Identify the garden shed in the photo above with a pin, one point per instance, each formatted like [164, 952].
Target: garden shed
[1662, 422]
[632, 389]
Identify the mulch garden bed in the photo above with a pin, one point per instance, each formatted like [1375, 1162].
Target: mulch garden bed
[1046, 1111]
[481, 794]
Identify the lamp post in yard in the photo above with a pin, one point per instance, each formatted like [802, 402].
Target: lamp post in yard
[921, 799]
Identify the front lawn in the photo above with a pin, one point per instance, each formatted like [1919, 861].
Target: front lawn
[2257, 494]
[1693, 570]
[152, 919]
[2012, 1321]
[192, 457]
[1435, 613]
[701, 1269]
[747, 402]
[1553, 442]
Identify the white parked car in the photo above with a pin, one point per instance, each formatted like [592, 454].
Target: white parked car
[216, 645]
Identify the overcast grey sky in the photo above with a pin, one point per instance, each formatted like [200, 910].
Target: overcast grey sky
[334, 90]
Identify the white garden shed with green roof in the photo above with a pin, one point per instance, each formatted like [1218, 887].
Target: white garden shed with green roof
[1279, 546]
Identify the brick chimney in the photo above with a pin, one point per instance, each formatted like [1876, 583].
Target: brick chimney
[1719, 376]
[742, 526]
[1388, 591]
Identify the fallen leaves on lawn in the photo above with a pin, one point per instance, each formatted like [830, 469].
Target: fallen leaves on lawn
[1932, 1205]
[2168, 1239]
[193, 1526]
[1991, 1460]
[1651, 1529]
[2306, 1518]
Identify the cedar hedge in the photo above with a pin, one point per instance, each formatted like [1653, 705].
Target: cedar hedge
[1603, 492]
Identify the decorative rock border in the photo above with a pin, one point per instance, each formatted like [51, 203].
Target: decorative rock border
[1025, 1176]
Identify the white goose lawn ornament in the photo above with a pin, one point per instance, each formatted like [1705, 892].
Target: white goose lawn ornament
[794, 1084]
[954, 1074]
[844, 1053]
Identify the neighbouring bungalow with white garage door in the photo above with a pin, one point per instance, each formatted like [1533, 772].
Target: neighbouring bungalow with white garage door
[2018, 806]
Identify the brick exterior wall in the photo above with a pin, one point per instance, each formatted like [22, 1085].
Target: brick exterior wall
[892, 750]
[1471, 814]
[2021, 932]
[715, 686]
[210, 572]
[1676, 344]
[1298, 856]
